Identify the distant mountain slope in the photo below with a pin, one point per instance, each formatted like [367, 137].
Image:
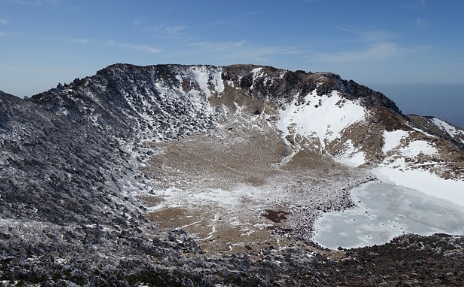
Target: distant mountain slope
[170, 101]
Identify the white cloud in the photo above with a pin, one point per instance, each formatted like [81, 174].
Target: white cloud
[141, 22]
[219, 46]
[3, 21]
[168, 30]
[377, 52]
[35, 2]
[175, 29]
[138, 22]
[81, 41]
[234, 19]
[143, 48]
[134, 47]
[421, 23]
[415, 4]
[375, 35]
[373, 45]
[241, 51]
[419, 4]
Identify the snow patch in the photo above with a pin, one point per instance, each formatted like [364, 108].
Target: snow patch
[424, 181]
[351, 156]
[256, 72]
[393, 139]
[323, 117]
[417, 147]
[206, 77]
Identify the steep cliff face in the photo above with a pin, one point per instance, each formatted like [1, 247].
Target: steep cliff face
[126, 100]
[238, 156]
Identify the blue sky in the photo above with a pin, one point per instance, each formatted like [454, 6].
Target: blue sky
[45, 42]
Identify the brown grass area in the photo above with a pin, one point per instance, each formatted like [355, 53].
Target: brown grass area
[264, 197]
[214, 233]
[237, 155]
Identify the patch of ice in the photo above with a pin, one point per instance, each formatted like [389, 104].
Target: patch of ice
[384, 211]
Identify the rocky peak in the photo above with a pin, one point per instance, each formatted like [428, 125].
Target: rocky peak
[271, 82]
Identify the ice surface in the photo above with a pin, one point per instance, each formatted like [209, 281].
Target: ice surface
[384, 211]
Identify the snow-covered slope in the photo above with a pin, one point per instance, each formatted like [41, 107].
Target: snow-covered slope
[452, 131]
[322, 118]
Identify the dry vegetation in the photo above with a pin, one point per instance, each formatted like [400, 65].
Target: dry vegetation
[243, 188]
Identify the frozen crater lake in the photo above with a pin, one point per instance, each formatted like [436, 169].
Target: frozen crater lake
[384, 211]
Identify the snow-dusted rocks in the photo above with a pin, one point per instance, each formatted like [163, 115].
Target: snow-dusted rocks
[452, 131]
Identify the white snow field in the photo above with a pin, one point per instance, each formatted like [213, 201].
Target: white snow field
[323, 117]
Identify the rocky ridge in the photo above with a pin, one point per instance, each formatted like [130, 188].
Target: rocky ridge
[75, 160]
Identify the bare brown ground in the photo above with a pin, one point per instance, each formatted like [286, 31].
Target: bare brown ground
[228, 189]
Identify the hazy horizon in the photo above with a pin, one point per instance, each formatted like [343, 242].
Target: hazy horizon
[442, 100]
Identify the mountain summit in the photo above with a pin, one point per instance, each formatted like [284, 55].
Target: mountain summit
[339, 117]
[172, 167]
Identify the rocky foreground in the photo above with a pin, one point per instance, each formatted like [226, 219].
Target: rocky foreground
[209, 176]
[93, 257]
